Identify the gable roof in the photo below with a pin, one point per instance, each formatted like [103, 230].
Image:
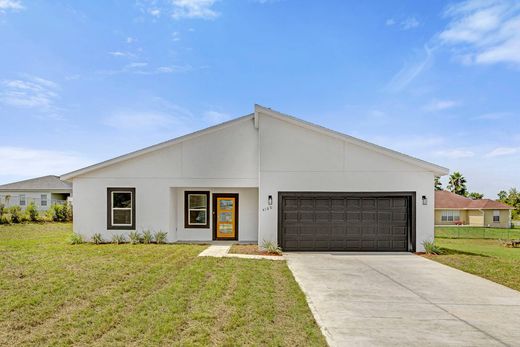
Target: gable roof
[436, 169]
[44, 183]
[70, 175]
[449, 200]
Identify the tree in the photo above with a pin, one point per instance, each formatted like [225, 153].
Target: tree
[511, 198]
[457, 184]
[438, 184]
[502, 196]
[475, 196]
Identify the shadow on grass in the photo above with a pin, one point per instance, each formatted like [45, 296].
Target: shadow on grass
[449, 251]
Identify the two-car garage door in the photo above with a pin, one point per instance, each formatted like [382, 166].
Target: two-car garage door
[310, 221]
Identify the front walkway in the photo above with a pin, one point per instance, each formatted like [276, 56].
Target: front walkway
[404, 299]
[220, 251]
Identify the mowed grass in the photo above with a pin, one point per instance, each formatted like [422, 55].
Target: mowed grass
[53, 293]
[485, 258]
[458, 232]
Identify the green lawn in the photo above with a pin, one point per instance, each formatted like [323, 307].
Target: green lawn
[485, 258]
[53, 293]
[458, 232]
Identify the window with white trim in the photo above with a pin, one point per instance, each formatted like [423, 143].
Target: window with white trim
[496, 216]
[22, 199]
[196, 209]
[43, 199]
[450, 216]
[121, 208]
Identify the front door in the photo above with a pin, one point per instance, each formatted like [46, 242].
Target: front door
[225, 216]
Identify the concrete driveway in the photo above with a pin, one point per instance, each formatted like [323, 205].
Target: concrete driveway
[404, 299]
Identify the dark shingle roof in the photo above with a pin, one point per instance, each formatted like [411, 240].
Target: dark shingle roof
[48, 183]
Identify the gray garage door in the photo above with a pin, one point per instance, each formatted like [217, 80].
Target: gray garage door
[346, 221]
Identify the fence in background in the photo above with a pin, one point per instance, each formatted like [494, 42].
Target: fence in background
[477, 233]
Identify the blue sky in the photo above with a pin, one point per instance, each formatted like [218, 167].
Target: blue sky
[84, 81]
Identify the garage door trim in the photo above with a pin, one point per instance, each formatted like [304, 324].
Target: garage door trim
[411, 208]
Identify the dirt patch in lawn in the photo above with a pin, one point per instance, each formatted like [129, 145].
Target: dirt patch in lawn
[249, 249]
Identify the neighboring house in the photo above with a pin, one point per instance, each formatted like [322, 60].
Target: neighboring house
[43, 191]
[264, 176]
[453, 209]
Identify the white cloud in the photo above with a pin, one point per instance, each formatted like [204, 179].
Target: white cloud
[122, 54]
[502, 151]
[154, 12]
[193, 9]
[410, 23]
[410, 71]
[405, 24]
[31, 92]
[215, 117]
[176, 36]
[30, 162]
[441, 105]
[10, 5]
[130, 39]
[456, 153]
[484, 31]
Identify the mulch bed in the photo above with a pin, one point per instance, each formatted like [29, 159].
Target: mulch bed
[249, 249]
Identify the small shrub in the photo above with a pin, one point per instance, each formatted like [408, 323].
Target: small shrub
[33, 212]
[160, 237]
[431, 248]
[97, 239]
[45, 217]
[118, 238]
[16, 214]
[6, 218]
[271, 247]
[147, 236]
[25, 217]
[134, 237]
[76, 239]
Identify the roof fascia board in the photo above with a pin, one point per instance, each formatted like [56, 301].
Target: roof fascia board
[68, 176]
[439, 170]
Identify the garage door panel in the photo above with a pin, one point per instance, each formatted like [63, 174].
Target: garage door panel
[339, 221]
[338, 204]
[322, 216]
[323, 204]
[353, 216]
[338, 216]
[306, 216]
[290, 217]
[306, 204]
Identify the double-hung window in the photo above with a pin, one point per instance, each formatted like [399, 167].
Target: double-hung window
[22, 199]
[450, 216]
[496, 216]
[43, 200]
[196, 209]
[121, 208]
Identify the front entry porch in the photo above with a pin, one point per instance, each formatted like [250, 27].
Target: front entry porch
[214, 215]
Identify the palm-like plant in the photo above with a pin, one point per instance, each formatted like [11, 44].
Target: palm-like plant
[457, 184]
[437, 183]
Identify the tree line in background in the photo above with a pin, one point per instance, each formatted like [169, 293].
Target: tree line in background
[457, 184]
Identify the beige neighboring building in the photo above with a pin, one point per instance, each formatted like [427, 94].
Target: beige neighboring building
[453, 209]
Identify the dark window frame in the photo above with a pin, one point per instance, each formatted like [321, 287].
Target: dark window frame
[496, 218]
[187, 225]
[110, 226]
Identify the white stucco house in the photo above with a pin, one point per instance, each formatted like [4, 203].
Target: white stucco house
[263, 176]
